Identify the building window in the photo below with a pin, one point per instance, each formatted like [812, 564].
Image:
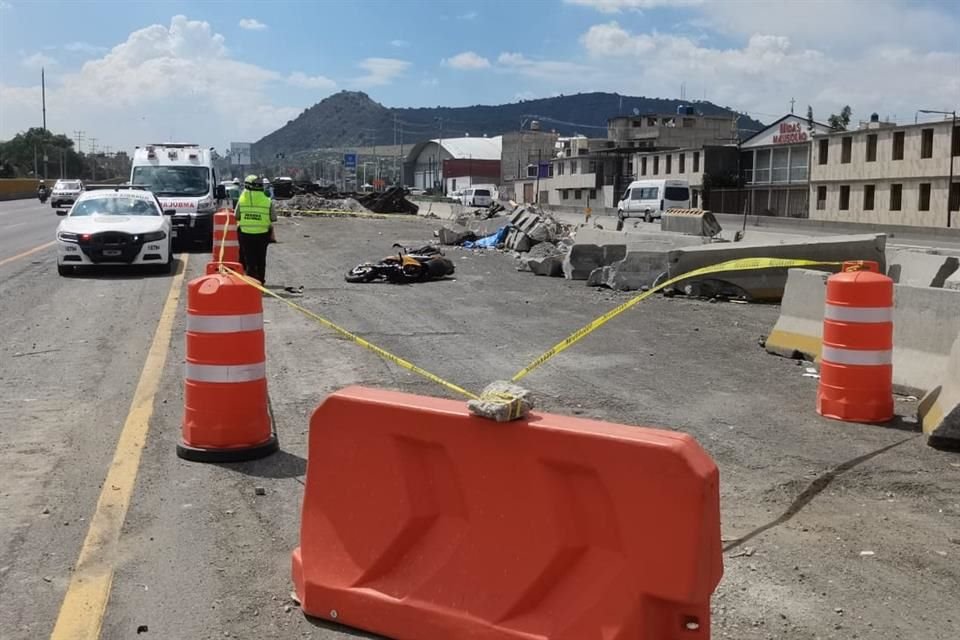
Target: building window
[593, 194]
[872, 147]
[955, 196]
[824, 151]
[844, 197]
[669, 163]
[656, 165]
[574, 166]
[761, 172]
[898, 145]
[924, 202]
[560, 168]
[781, 167]
[846, 149]
[798, 165]
[696, 161]
[869, 191]
[926, 143]
[683, 163]
[821, 198]
[566, 193]
[643, 166]
[956, 141]
[689, 123]
[694, 198]
[629, 167]
[577, 194]
[636, 124]
[896, 196]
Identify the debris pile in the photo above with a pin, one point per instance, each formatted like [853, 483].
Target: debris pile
[314, 198]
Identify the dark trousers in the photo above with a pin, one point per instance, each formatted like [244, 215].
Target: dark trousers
[253, 254]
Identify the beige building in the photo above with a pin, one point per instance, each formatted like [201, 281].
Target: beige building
[887, 174]
[662, 131]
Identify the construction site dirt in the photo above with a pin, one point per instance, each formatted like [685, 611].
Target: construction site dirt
[830, 530]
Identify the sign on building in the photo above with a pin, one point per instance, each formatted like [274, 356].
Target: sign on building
[350, 160]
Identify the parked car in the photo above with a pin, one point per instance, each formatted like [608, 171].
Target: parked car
[648, 199]
[65, 193]
[474, 197]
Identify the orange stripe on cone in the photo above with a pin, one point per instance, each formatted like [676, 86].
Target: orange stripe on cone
[225, 229]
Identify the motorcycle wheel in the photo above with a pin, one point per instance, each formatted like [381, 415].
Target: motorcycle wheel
[361, 273]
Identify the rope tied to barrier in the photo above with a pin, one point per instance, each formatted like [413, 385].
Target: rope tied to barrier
[505, 401]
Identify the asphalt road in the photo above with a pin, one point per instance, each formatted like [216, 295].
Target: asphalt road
[202, 555]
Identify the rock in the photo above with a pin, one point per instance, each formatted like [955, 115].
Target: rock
[260, 491]
[502, 401]
[454, 235]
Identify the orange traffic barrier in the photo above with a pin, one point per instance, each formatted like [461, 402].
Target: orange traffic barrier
[226, 412]
[422, 521]
[856, 371]
[225, 238]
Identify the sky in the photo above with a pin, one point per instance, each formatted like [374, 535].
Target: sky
[128, 72]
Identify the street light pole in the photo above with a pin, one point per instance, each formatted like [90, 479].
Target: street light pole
[953, 130]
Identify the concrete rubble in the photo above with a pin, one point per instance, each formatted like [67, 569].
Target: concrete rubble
[309, 202]
[393, 200]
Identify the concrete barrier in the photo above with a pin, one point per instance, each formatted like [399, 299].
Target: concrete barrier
[939, 410]
[694, 222]
[920, 269]
[798, 332]
[599, 248]
[926, 321]
[768, 284]
[20, 188]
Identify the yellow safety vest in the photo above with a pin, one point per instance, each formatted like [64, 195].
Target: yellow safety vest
[253, 212]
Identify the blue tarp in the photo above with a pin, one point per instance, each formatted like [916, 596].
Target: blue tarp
[488, 242]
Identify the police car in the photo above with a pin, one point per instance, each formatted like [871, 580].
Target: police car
[114, 225]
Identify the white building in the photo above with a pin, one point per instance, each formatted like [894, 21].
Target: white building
[424, 165]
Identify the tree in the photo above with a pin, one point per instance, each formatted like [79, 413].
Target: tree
[18, 153]
[842, 121]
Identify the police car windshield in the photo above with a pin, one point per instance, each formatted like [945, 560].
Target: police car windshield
[72, 186]
[174, 181]
[115, 206]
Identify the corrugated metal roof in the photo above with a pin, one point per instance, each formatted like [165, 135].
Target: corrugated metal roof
[476, 148]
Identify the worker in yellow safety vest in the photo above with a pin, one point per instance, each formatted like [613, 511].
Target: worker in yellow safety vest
[255, 218]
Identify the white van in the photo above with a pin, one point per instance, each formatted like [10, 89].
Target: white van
[476, 197]
[648, 199]
[183, 177]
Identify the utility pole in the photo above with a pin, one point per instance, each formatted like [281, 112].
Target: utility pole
[43, 93]
[93, 159]
[439, 167]
[402, 181]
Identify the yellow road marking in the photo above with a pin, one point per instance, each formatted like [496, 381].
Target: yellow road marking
[85, 602]
[28, 252]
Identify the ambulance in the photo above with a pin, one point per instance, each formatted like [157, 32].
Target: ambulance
[183, 177]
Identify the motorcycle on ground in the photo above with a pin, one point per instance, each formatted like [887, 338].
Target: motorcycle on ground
[407, 266]
[42, 195]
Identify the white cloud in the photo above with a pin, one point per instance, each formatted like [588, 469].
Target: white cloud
[617, 6]
[467, 60]
[767, 70]
[400, 44]
[38, 60]
[84, 47]
[302, 80]
[556, 70]
[469, 15]
[163, 81]
[5, 5]
[252, 24]
[380, 71]
[430, 82]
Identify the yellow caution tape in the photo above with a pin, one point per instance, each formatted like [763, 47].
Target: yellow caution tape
[383, 353]
[743, 264]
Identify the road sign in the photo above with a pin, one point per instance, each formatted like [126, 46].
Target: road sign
[350, 160]
[240, 154]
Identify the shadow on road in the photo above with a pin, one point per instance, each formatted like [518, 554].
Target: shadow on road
[134, 272]
[812, 491]
[339, 628]
[281, 464]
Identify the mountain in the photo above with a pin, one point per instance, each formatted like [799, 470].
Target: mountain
[351, 118]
